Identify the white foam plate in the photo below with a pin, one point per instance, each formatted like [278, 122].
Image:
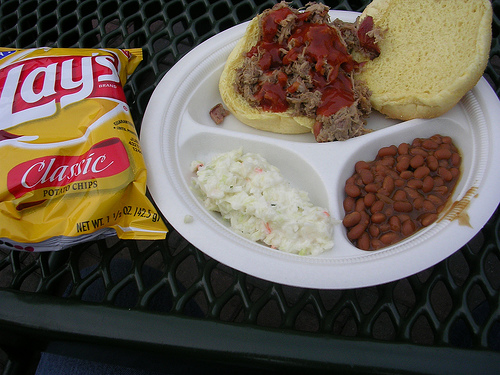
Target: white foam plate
[177, 129]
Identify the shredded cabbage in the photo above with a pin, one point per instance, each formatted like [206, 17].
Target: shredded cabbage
[261, 205]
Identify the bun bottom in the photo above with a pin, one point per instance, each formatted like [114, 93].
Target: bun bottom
[282, 122]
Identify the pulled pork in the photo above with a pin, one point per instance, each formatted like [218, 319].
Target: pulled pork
[303, 96]
[348, 122]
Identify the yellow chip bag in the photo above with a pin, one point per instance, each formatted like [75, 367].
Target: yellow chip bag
[71, 166]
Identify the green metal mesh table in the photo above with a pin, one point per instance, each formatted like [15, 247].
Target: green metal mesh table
[187, 306]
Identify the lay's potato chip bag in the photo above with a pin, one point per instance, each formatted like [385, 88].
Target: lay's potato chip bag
[71, 168]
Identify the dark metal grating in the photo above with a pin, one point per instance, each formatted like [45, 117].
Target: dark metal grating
[455, 303]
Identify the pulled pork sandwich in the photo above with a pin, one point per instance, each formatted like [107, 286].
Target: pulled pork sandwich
[296, 71]
[293, 72]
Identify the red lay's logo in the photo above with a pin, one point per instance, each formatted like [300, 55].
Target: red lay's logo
[105, 159]
[33, 88]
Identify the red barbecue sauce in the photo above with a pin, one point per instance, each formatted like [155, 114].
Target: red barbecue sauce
[320, 44]
[365, 40]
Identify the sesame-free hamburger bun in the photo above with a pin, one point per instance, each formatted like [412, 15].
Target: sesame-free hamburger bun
[432, 52]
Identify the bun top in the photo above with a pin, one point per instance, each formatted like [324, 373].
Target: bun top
[432, 52]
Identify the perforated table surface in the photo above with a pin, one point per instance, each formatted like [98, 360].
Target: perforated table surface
[188, 308]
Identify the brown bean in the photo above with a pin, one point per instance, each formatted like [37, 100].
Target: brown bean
[432, 162]
[366, 176]
[400, 195]
[393, 174]
[418, 203]
[365, 218]
[360, 205]
[378, 218]
[384, 227]
[352, 190]
[408, 227]
[443, 163]
[376, 244]
[371, 188]
[374, 230]
[389, 238]
[415, 184]
[379, 178]
[383, 193]
[437, 138]
[388, 161]
[403, 217]
[364, 241]
[403, 206]
[442, 153]
[455, 159]
[428, 184]
[349, 204]
[435, 199]
[438, 181]
[403, 164]
[417, 161]
[428, 219]
[446, 139]
[417, 142]
[406, 175]
[369, 199]
[455, 172]
[428, 206]
[421, 172]
[389, 211]
[360, 165]
[385, 198]
[443, 190]
[351, 219]
[395, 223]
[418, 151]
[399, 182]
[377, 207]
[430, 144]
[403, 148]
[388, 184]
[379, 167]
[445, 174]
[355, 232]
[387, 151]
[412, 193]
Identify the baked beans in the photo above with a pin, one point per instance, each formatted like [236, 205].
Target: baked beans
[403, 190]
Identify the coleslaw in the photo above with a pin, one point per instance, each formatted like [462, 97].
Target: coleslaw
[260, 203]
